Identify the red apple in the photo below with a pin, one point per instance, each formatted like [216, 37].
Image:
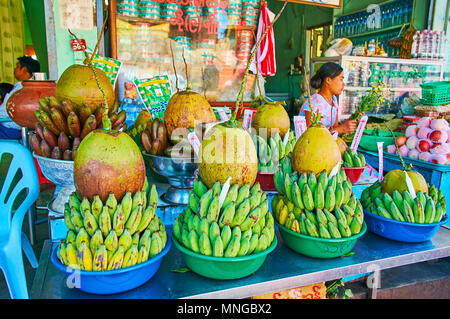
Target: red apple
[438, 136]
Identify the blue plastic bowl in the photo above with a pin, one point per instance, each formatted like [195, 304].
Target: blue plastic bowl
[401, 231]
[113, 281]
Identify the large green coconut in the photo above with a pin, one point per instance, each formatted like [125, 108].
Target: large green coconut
[396, 180]
[315, 151]
[271, 116]
[108, 161]
[78, 84]
[228, 151]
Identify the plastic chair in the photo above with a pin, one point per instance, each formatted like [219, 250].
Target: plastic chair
[12, 239]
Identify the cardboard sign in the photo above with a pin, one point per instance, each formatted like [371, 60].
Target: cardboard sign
[359, 132]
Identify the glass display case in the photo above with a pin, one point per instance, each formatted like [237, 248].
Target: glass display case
[213, 37]
[402, 77]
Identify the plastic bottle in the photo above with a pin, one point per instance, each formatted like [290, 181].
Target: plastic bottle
[443, 46]
[415, 45]
[423, 44]
[434, 45]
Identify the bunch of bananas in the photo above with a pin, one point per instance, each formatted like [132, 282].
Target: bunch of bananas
[269, 154]
[154, 137]
[224, 222]
[425, 208]
[61, 125]
[353, 158]
[112, 235]
[321, 206]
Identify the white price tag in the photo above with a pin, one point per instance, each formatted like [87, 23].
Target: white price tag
[195, 142]
[300, 125]
[286, 137]
[224, 191]
[409, 183]
[247, 122]
[380, 161]
[335, 135]
[359, 132]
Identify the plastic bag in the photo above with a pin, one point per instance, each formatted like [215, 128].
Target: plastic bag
[341, 46]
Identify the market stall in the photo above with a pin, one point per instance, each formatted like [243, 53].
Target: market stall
[189, 201]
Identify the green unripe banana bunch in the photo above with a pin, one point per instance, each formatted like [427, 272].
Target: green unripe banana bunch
[272, 150]
[225, 220]
[320, 206]
[352, 158]
[425, 208]
[114, 234]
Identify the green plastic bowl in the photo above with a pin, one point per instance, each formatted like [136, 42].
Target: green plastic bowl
[319, 247]
[223, 268]
[369, 142]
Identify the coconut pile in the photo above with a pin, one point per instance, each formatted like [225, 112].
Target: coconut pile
[428, 140]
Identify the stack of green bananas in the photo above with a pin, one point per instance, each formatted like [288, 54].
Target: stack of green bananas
[269, 154]
[112, 235]
[425, 208]
[242, 225]
[316, 206]
[352, 158]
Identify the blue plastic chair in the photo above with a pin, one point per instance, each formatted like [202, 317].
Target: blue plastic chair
[12, 239]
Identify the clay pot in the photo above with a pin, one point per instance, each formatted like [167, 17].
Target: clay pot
[22, 103]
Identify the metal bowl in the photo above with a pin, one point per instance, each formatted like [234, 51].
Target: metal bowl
[180, 173]
[60, 173]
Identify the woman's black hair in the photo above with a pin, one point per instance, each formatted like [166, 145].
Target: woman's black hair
[5, 88]
[327, 70]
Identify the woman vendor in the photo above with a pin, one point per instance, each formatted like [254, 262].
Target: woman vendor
[329, 80]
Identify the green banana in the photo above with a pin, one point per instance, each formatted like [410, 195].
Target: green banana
[227, 215]
[145, 239]
[111, 241]
[408, 214]
[283, 215]
[233, 247]
[147, 216]
[262, 243]
[312, 181]
[321, 217]
[130, 257]
[104, 221]
[71, 237]
[205, 245]
[395, 212]
[85, 206]
[343, 228]
[76, 219]
[439, 214]
[288, 186]
[241, 212]
[67, 219]
[100, 259]
[214, 209]
[185, 238]
[154, 197]
[74, 202]
[126, 204]
[214, 231]
[231, 195]
[134, 219]
[323, 180]
[332, 183]
[125, 240]
[253, 243]
[295, 226]
[157, 244]
[204, 202]
[379, 202]
[116, 259]
[323, 231]
[217, 246]
[339, 195]
[311, 228]
[334, 230]
[251, 219]
[330, 217]
[216, 188]
[193, 202]
[111, 203]
[352, 202]
[312, 218]
[302, 223]
[418, 210]
[422, 199]
[330, 199]
[84, 257]
[383, 212]
[289, 220]
[196, 224]
[340, 215]
[398, 200]
[244, 246]
[255, 199]
[199, 188]
[204, 227]
[278, 179]
[408, 198]
[302, 180]
[355, 226]
[82, 237]
[347, 187]
[142, 254]
[225, 234]
[319, 197]
[308, 199]
[349, 213]
[297, 197]
[430, 211]
[71, 256]
[243, 193]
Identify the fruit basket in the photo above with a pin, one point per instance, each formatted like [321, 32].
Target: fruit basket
[317, 247]
[401, 231]
[113, 281]
[436, 93]
[224, 268]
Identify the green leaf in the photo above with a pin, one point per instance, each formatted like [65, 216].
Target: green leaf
[180, 270]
